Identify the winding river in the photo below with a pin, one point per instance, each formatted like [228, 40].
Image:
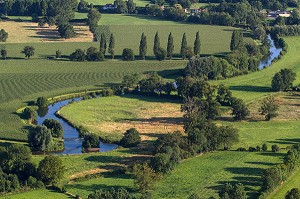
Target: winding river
[73, 144]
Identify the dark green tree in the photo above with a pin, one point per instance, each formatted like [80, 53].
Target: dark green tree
[144, 176]
[170, 46]
[42, 102]
[269, 108]
[121, 6]
[91, 140]
[128, 54]
[3, 35]
[55, 127]
[29, 114]
[61, 11]
[93, 19]
[40, 138]
[51, 169]
[275, 148]
[161, 54]
[131, 6]
[228, 136]
[156, 45]
[130, 80]
[58, 54]
[183, 46]
[131, 138]
[283, 80]
[111, 46]
[293, 194]
[143, 46]
[3, 54]
[264, 147]
[28, 51]
[197, 44]
[236, 40]
[239, 109]
[66, 30]
[103, 43]
[78, 55]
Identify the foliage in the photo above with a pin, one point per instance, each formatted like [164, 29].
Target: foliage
[293, 194]
[236, 40]
[130, 80]
[120, 193]
[161, 54]
[239, 109]
[78, 55]
[283, 80]
[55, 127]
[143, 46]
[128, 54]
[103, 45]
[144, 177]
[40, 138]
[170, 46]
[29, 114]
[3, 35]
[3, 53]
[131, 138]
[93, 55]
[111, 45]
[152, 84]
[183, 47]
[275, 148]
[269, 108]
[28, 51]
[93, 19]
[51, 169]
[197, 44]
[57, 54]
[42, 101]
[234, 192]
[264, 147]
[156, 45]
[66, 30]
[90, 140]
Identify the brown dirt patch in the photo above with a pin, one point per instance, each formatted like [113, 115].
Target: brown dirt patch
[88, 172]
[26, 32]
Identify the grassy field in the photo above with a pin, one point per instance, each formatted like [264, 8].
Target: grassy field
[24, 80]
[42, 193]
[110, 117]
[256, 85]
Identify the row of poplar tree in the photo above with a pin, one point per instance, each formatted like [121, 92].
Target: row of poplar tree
[159, 52]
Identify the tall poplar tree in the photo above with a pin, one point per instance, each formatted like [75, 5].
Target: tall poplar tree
[143, 46]
[156, 45]
[236, 40]
[170, 46]
[197, 44]
[183, 46]
[103, 43]
[111, 47]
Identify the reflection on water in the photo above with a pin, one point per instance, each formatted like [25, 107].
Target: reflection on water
[72, 143]
[274, 53]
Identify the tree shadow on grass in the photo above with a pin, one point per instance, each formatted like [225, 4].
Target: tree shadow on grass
[261, 163]
[251, 88]
[281, 155]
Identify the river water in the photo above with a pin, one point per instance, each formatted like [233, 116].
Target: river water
[274, 53]
[73, 144]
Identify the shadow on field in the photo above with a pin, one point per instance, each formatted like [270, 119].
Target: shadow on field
[171, 73]
[288, 141]
[273, 154]
[251, 88]
[261, 163]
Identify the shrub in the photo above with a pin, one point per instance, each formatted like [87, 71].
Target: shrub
[91, 141]
[131, 138]
[3, 35]
[293, 194]
[58, 54]
[241, 149]
[128, 54]
[29, 113]
[264, 147]
[78, 55]
[283, 80]
[55, 127]
[275, 148]
[252, 149]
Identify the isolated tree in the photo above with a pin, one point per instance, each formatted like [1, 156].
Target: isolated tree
[183, 46]
[55, 127]
[170, 46]
[293, 194]
[29, 113]
[275, 148]
[131, 138]
[239, 109]
[283, 80]
[197, 44]
[3, 54]
[103, 43]
[40, 138]
[51, 169]
[111, 46]
[236, 40]
[143, 46]
[131, 6]
[66, 30]
[128, 54]
[269, 108]
[130, 80]
[58, 54]
[144, 176]
[228, 136]
[3, 35]
[28, 51]
[156, 45]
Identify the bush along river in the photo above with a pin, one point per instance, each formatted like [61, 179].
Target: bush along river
[274, 53]
[72, 142]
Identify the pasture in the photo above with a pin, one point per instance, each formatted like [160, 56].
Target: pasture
[110, 117]
[41, 193]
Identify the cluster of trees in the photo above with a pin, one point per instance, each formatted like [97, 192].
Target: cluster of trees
[244, 57]
[120, 193]
[283, 80]
[294, 19]
[47, 137]
[131, 138]
[274, 176]
[293, 194]
[3, 35]
[17, 171]
[90, 55]
[236, 191]
[293, 30]
[93, 19]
